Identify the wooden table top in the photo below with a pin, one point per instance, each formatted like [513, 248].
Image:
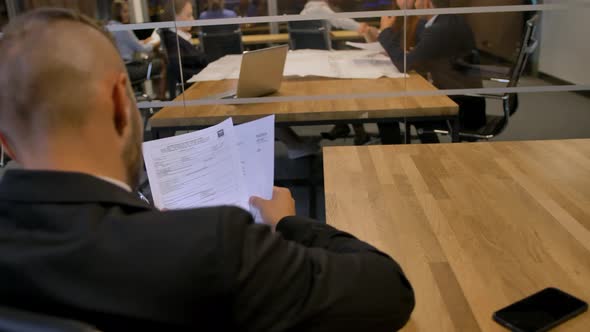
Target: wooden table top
[279, 38]
[321, 110]
[475, 226]
[345, 35]
[283, 38]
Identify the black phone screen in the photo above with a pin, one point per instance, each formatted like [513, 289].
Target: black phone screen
[540, 311]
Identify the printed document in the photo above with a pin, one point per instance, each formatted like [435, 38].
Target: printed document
[375, 46]
[220, 165]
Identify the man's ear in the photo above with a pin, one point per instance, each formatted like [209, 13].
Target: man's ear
[121, 104]
[7, 148]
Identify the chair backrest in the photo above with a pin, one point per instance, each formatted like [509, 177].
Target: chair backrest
[218, 41]
[312, 34]
[527, 48]
[510, 100]
[171, 80]
[12, 320]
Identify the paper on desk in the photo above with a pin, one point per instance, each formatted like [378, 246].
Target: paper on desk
[227, 67]
[198, 169]
[334, 64]
[256, 146]
[308, 63]
[376, 46]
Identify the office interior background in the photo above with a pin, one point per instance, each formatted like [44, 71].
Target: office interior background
[554, 100]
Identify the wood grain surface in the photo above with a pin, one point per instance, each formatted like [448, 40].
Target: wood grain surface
[475, 226]
[283, 38]
[321, 110]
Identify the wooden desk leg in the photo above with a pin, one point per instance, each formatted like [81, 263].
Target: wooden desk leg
[408, 132]
[455, 130]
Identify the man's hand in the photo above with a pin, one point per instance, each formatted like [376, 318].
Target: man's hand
[280, 206]
[387, 22]
[370, 33]
[363, 29]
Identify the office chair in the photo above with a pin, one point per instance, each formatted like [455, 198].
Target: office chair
[138, 78]
[309, 35]
[171, 80]
[218, 41]
[12, 320]
[496, 124]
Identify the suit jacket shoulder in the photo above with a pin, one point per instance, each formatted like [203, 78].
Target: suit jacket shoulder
[94, 252]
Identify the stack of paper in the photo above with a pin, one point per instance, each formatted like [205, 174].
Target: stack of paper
[220, 165]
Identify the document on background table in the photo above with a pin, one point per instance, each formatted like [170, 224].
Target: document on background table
[360, 64]
[376, 46]
[220, 165]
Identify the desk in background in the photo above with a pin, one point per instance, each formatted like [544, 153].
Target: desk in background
[475, 226]
[283, 38]
[170, 119]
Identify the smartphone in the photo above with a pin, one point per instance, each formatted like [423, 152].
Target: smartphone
[540, 311]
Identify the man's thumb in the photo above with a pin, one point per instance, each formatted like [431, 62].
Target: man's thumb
[256, 201]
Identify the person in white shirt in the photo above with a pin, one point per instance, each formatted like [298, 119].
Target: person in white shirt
[319, 7]
[126, 41]
[130, 47]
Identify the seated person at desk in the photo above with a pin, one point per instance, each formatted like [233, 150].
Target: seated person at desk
[371, 34]
[440, 40]
[319, 7]
[193, 59]
[129, 45]
[77, 242]
[216, 9]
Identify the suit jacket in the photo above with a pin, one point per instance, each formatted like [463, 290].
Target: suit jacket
[436, 53]
[76, 246]
[193, 59]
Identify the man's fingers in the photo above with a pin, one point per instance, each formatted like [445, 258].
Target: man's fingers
[278, 191]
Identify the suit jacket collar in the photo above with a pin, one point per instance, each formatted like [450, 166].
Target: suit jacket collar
[63, 187]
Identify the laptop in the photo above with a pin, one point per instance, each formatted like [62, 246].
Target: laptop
[261, 73]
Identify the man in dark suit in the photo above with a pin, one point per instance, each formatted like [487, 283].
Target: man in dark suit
[178, 43]
[193, 59]
[441, 40]
[75, 241]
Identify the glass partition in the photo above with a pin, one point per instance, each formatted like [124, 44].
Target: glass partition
[355, 61]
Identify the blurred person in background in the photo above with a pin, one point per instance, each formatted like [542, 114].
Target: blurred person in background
[193, 59]
[132, 49]
[371, 33]
[439, 42]
[216, 9]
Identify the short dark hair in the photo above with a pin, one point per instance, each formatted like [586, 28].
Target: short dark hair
[116, 9]
[16, 104]
[173, 8]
